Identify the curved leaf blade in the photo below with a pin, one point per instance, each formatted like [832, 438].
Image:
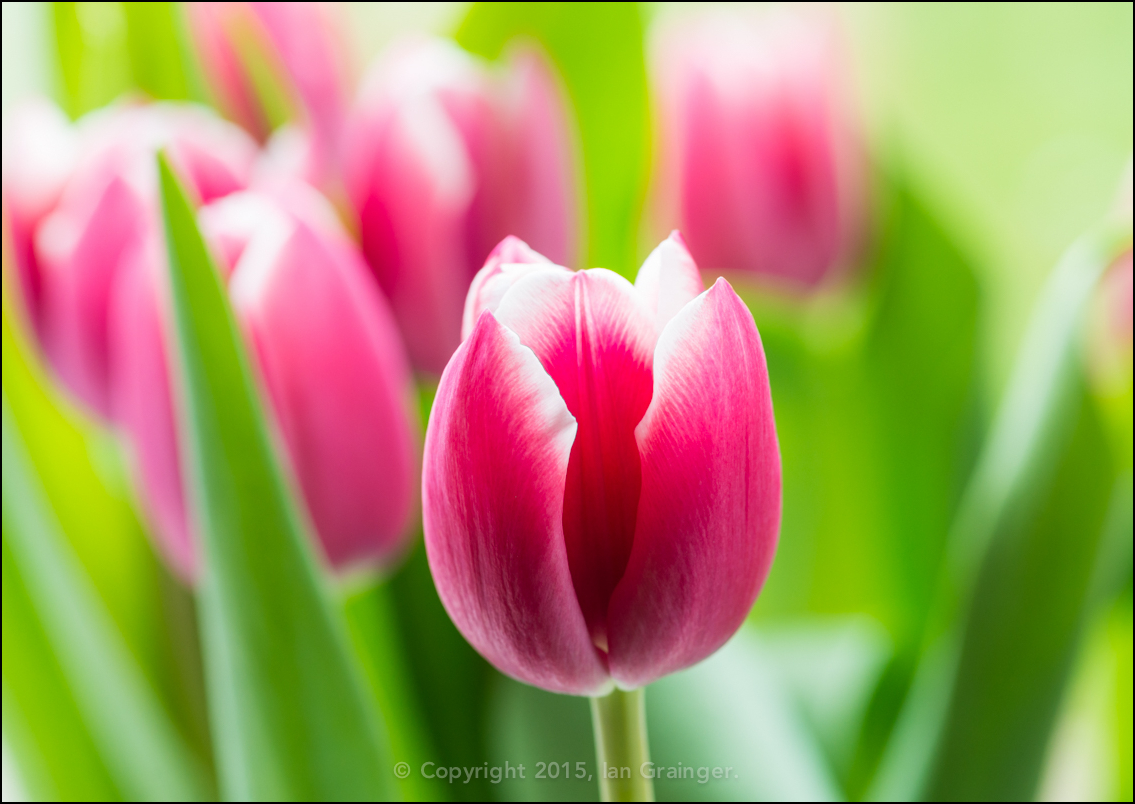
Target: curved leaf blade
[1018, 577]
[290, 711]
[138, 744]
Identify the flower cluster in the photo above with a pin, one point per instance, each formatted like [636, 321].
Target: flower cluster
[600, 486]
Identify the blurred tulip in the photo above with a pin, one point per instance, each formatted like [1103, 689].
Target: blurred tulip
[106, 209]
[262, 58]
[601, 481]
[39, 152]
[442, 159]
[331, 361]
[762, 165]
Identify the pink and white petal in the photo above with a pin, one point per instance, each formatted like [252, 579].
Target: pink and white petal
[143, 402]
[39, 153]
[709, 513]
[331, 357]
[508, 262]
[542, 173]
[230, 223]
[496, 460]
[594, 339]
[413, 227]
[80, 259]
[668, 280]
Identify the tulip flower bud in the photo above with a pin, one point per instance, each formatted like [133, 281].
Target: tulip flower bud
[109, 208]
[442, 159]
[328, 353]
[601, 480]
[39, 152]
[260, 59]
[762, 166]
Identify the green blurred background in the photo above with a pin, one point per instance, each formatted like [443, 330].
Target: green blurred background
[998, 135]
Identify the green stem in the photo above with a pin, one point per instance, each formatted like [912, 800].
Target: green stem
[620, 741]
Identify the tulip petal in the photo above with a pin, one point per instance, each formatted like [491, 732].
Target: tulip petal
[541, 179]
[668, 280]
[709, 512]
[143, 401]
[39, 152]
[80, 261]
[496, 460]
[595, 340]
[506, 264]
[413, 228]
[333, 363]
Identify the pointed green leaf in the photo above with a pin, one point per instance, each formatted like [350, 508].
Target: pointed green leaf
[160, 61]
[374, 631]
[288, 701]
[94, 62]
[1018, 578]
[138, 744]
[51, 746]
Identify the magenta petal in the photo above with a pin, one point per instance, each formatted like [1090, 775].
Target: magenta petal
[595, 341]
[413, 227]
[507, 263]
[333, 363]
[668, 280]
[80, 261]
[709, 512]
[496, 460]
[39, 152]
[305, 37]
[143, 401]
[541, 181]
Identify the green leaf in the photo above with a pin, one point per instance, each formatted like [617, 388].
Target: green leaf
[137, 743]
[1018, 576]
[288, 700]
[874, 389]
[452, 681]
[94, 62]
[374, 629]
[160, 62]
[51, 745]
[81, 469]
[598, 49]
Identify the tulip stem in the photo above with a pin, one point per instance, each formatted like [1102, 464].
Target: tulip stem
[619, 720]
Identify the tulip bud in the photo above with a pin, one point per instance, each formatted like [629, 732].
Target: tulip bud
[109, 208]
[601, 480]
[762, 164]
[442, 159]
[261, 58]
[39, 152]
[328, 353]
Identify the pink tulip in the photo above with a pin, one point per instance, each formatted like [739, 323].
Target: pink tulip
[328, 352]
[761, 158]
[107, 209]
[442, 159]
[39, 152]
[300, 44]
[601, 481]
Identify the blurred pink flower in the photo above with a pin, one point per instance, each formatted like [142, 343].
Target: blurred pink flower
[40, 146]
[762, 165]
[73, 232]
[326, 347]
[301, 46]
[443, 157]
[601, 481]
